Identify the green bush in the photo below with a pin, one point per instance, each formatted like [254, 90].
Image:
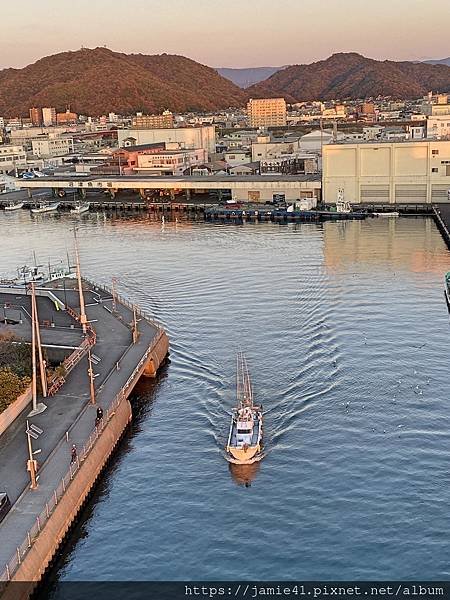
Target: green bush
[11, 386]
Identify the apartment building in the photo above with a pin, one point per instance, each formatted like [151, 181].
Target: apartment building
[12, 158]
[438, 126]
[163, 121]
[188, 138]
[266, 112]
[413, 171]
[48, 116]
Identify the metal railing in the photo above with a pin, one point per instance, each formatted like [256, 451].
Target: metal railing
[32, 534]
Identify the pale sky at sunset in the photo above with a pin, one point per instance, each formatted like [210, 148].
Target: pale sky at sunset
[227, 33]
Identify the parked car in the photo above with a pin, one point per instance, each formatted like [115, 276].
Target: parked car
[5, 505]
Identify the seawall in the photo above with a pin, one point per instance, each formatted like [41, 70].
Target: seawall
[39, 549]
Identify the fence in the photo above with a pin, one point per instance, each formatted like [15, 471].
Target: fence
[21, 551]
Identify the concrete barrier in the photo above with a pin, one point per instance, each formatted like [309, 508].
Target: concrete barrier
[14, 409]
[46, 544]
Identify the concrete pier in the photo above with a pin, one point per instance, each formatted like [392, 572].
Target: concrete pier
[39, 519]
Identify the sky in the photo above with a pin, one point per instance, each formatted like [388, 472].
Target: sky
[227, 33]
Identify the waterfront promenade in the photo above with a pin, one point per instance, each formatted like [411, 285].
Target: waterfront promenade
[70, 415]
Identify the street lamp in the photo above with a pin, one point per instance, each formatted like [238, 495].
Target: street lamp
[33, 431]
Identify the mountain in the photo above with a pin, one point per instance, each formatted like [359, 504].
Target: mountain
[96, 81]
[246, 77]
[350, 75]
[441, 61]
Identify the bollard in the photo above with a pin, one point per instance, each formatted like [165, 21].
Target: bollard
[67, 436]
[38, 523]
[18, 556]
[56, 497]
[46, 510]
[29, 539]
[8, 575]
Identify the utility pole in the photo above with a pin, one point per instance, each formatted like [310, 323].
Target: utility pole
[37, 407]
[38, 340]
[83, 318]
[135, 326]
[91, 378]
[113, 290]
[34, 432]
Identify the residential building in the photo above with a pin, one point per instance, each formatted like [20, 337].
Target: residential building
[438, 126]
[315, 140]
[48, 147]
[163, 121]
[2, 122]
[236, 157]
[293, 164]
[36, 116]
[188, 138]
[48, 116]
[12, 158]
[267, 147]
[434, 110]
[266, 112]
[387, 172]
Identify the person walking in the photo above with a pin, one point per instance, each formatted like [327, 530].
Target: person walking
[73, 454]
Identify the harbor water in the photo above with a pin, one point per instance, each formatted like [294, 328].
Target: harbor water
[346, 332]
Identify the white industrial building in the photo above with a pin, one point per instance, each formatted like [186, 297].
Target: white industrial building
[387, 172]
[189, 138]
[50, 147]
[12, 158]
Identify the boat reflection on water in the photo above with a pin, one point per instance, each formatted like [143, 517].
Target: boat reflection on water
[244, 474]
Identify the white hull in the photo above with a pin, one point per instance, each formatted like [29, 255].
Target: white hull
[387, 214]
[14, 206]
[79, 210]
[45, 209]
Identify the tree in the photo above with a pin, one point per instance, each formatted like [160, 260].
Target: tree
[11, 386]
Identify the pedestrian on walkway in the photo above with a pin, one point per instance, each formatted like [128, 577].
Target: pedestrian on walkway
[73, 454]
[99, 413]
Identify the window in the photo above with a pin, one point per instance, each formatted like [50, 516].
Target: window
[434, 170]
[435, 152]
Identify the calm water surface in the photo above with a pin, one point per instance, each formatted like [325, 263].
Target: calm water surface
[346, 332]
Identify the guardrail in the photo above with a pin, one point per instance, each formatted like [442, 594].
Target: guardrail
[73, 359]
[22, 550]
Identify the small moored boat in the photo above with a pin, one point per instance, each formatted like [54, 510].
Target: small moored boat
[246, 429]
[80, 208]
[386, 214]
[45, 207]
[14, 205]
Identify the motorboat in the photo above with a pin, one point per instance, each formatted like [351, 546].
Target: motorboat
[244, 443]
[80, 208]
[392, 213]
[45, 207]
[14, 205]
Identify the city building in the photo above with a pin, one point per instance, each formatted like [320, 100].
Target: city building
[163, 121]
[66, 118]
[48, 116]
[438, 126]
[170, 162]
[236, 157]
[266, 112]
[48, 147]
[387, 172]
[188, 138]
[36, 116]
[12, 158]
[265, 147]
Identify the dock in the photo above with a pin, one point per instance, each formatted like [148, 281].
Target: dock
[123, 344]
[441, 213]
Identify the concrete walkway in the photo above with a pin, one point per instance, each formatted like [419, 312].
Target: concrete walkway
[71, 405]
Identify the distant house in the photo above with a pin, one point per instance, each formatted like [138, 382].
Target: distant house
[250, 168]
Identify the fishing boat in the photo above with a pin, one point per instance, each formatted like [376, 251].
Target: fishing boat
[14, 205]
[244, 443]
[44, 207]
[80, 208]
[392, 213]
[447, 287]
